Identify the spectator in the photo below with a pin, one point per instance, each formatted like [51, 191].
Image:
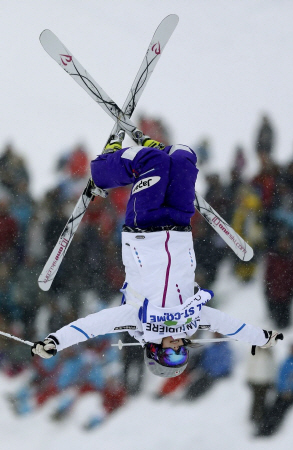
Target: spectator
[239, 161]
[208, 250]
[154, 128]
[246, 221]
[275, 414]
[8, 231]
[203, 152]
[283, 211]
[231, 192]
[96, 370]
[12, 169]
[260, 379]
[10, 310]
[266, 185]
[265, 138]
[216, 362]
[32, 394]
[133, 367]
[78, 163]
[22, 209]
[278, 280]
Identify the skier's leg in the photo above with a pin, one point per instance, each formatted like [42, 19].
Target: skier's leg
[146, 206]
[126, 166]
[183, 173]
[109, 170]
[163, 191]
[148, 170]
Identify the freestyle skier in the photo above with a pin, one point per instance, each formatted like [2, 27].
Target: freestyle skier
[160, 307]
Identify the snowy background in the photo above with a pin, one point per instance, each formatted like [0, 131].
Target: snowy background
[226, 64]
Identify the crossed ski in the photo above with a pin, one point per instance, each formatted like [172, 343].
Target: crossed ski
[65, 59]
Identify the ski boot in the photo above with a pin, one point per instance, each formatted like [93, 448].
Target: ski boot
[146, 141]
[115, 142]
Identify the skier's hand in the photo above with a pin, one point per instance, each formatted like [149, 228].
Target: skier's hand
[45, 349]
[273, 337]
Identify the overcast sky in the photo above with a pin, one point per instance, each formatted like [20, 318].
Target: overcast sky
[227, 63]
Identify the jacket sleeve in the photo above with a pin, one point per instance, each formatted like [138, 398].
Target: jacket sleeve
[230, 326]
[112, 320]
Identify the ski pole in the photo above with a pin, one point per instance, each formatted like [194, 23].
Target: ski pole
[194, 341]
[31, 344]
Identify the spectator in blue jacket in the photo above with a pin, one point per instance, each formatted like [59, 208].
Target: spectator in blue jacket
[216, 362]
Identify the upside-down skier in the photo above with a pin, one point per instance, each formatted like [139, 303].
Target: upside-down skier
[160, 307]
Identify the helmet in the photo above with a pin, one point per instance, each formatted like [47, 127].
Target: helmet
[165, 362]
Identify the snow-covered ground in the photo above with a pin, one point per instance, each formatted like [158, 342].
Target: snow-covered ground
[219, 420]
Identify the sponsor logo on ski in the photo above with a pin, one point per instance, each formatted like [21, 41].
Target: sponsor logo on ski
[156, 48]
[65, 59]
[219, 224]
[63, 245]
[144, 184]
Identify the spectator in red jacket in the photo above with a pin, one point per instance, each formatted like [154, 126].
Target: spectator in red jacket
[8, 230]
[279, 281]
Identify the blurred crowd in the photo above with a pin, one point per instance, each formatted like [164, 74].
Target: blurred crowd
[259, 208]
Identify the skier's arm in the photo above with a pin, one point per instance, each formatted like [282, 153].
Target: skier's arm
[110, 320]
[230, 326]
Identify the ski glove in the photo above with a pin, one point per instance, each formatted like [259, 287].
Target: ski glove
[45, 349]
[273, 337]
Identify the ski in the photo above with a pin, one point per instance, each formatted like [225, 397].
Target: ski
[122, 120]
[64, 58]
[235, 242]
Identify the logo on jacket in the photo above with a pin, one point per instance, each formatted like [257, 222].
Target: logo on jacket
[144, 184]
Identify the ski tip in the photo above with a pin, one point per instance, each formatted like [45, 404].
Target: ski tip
[44, 285]
[249, 253]
[44, 32]
[172, 20]
[175, 18]
[172, 16]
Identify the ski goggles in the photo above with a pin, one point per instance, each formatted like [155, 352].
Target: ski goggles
[167, 356]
